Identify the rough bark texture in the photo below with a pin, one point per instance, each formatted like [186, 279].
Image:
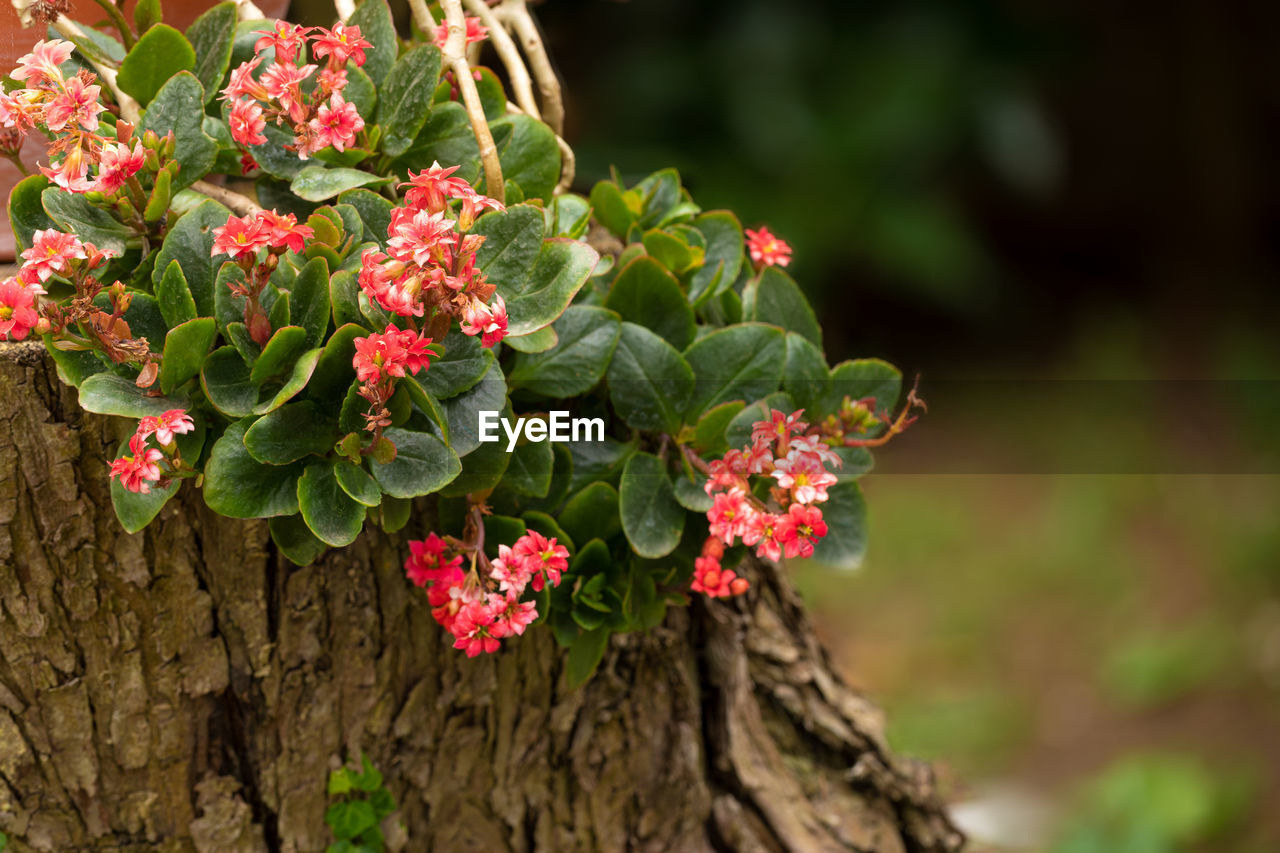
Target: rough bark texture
[188, 689]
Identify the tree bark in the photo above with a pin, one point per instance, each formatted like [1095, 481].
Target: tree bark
[187, 688]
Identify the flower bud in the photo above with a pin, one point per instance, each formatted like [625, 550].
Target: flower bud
[150, 140]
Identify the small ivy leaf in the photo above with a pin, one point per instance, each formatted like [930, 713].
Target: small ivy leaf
[806, 375]
[406, 97]
[774, 297]
[652, 518]
[178, 107]
[289, 434]
[358, 483]
[561, 268]
[585, 654]
[212, 35]
[373, 17]
[649, 381]
[591, 513]
[317, 183]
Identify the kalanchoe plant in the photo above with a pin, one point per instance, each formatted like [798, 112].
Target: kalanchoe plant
[306, 260]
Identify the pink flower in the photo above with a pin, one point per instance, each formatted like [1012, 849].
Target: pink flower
[21, 109]
[41, 64]
[165, 426]
[804, 475]
[714, 581]
[419, 236]
[510, 617]
[379, 356]
[284, 230]
[729, 515]
[729, 472]
[284, 81]
[242, 84]
[246, 122]
[417, 352]
[767, 250]
[432, 188]
[116, 164]
[337, 123]
[761, 531]
[340, 44]
[510, 571]
[77, 103]
[286, 38]
[52, 252]
[332, 79]
[814, 445]
[427, 564]
[17, 309]
[475, 32]
[779, 428]
[137, 470]
[72, 174]
[542, 557]
[799, 529]
[471, 629]
[241, 237]
[488, 321]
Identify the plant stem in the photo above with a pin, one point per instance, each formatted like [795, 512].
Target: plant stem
[455, 55]
[117, 18]
[516, 13]
[239, 204]
[521, 83]
[130, 110]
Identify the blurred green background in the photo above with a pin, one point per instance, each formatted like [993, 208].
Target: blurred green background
[1063, 215]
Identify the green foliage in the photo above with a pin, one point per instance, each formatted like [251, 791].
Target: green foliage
[359, 802]
[161, 53]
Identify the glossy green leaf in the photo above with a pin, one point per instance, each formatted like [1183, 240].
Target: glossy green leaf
[178, 106]
[358, 483]
[489, 394]
[134, 509]
[239, 486]
[482, 469]
[649, 380]
[724, 253]
[539, 341]
[591, 513]
[225, 380]
[146, 14]
[561, 268]
[459, 368]
[709, 432]
[529, 471]
[190, 243]
[423, 464]
[332, 515]
[845, 513]
[309, 301]
[295, 540]
[530, 156]
[865, 377]
[317, 183]
[609, 203]
[278, 161]
[290, 433]
[280, 353]
[334, 372]
[512, 241]
[111, 394]
[585, 654]
[652, 518]
[174, 296]
[690, 493]
[185, 348]
[302, 370]
[774, 298]
[587, 336]
[598, 460]
[427, 404]
[806, 375]
[92, 224]
[742, 362]
[406, 98]
[373, 17]
[447, 137]
[26, 210]
[374, 210]
[211, 36]
[646, 294]
[157, 56]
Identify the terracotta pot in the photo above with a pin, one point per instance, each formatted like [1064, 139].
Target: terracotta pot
[16, 41]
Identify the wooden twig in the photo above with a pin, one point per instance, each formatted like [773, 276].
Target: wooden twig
[516, 14]
[239, 204]
[521, 83]
[455, 57]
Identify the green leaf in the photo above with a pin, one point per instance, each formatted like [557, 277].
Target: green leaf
[309, 304]
[864, 377]
[845, 513]
[290, 433]
[652, 518]
[280, 353]
[742, 362]
[738, 433]
[539, 341]
[423, 464]
[358, 483]
[723, 260]
[334, 372]
[178, 106]
[374, 210]
[609, 203]
[238, 486]
[529, 472]
[190, 243]
[134, 509]
[806, 375]
[157, 56]
[482, 469]
[302, 370]
[585, 654]
[93, 44]
[649, 381]
[174, 296]
[225, 380]
[405, 102]
[333, 516]
[512, 241]
[373, 17]
[295, 540]
[185, 347]
[277, 161]
[428, 404]
[598, 460]
[561, 268]
[591, 513]
[146, 14]
[690, 493]
[463, 363]
[587, 338]
[317, 183]
[531, 156]
[349, 818]
[646, 294]
[110, 394]
[709, 433]
[92, 224]
[774, 298]
[211, 36]
[489, 394]
[447, 138]
[26, 210]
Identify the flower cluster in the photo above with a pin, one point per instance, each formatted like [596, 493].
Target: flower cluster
[241, 239]
[380, 360]
[19, 298]
[482, 606]
[429, 269]
[68, 108]
[139, 469]
[766, 250]
[784, 449]
[319, 118]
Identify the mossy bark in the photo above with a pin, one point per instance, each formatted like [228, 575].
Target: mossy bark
[187, 688]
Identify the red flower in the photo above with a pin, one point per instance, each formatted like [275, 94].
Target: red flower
[419, 236]
[417, 352]
[380, 356]
[427, 563]
[340, 44]
[241, 237]
[284, 230]
[246, 122]
[286, 38]
[716, 582]
[488, 321]
[432, 188]
[165, 426]
[241, 83]
[471, 628]
[804, 475]
[116, 164]
[77, 103]
[52, 252]
[799, 529]
[137, 470]
[767, 250]
[17, 309]
[336, 123]
[543, 558]
[729, 515]
[762, 531]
